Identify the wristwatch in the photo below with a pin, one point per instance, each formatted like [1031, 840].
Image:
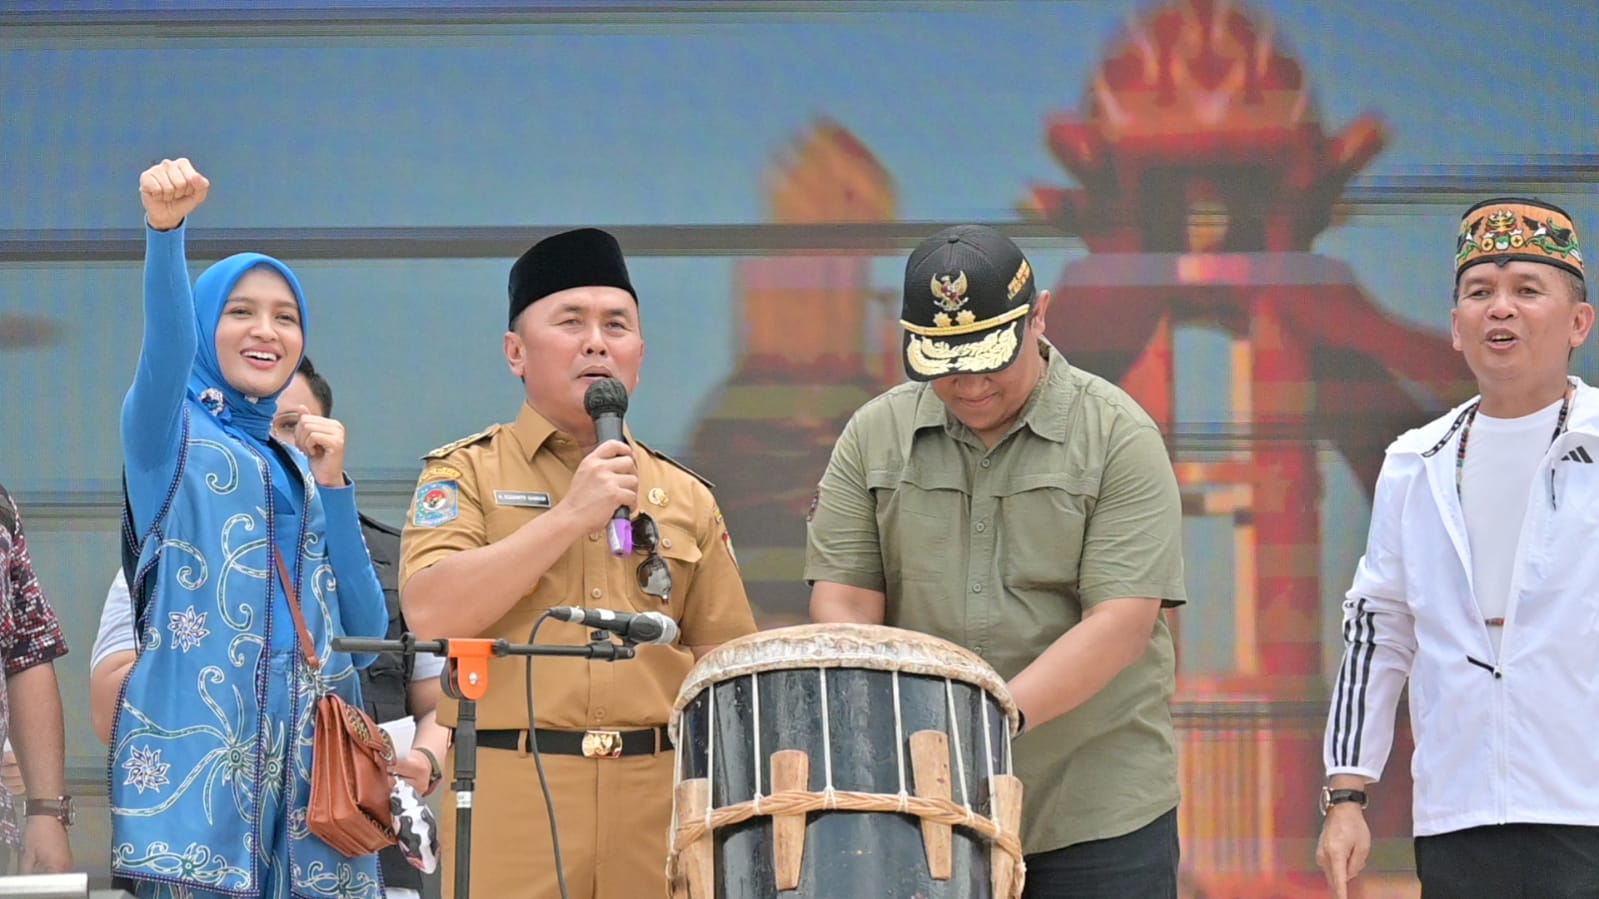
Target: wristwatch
[435, 773]
[59, 808]
[1331, 797]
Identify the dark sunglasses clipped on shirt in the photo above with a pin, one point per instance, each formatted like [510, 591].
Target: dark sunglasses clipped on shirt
[654, 576]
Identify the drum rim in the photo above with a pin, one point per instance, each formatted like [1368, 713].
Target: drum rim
[872, 646]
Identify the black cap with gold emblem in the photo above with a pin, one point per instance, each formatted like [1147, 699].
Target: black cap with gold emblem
[968, 290]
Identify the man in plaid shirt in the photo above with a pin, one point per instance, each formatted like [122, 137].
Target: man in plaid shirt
[30, 705]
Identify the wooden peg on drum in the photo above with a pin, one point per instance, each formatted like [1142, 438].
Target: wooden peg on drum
[697, 879]
[930, 771]
[1008, 872]
[791, 771]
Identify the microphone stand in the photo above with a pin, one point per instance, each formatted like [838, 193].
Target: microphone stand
[466, 678]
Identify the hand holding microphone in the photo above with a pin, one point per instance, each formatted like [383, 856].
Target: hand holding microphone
[606, 403]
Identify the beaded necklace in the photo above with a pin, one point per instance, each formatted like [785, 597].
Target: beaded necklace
[1464, 424]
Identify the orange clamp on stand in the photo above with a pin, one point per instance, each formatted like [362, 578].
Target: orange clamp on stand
[466, 667]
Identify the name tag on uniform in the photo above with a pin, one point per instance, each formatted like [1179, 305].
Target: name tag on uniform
[522, 499]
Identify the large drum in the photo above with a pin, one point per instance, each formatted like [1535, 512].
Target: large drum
[828, 761]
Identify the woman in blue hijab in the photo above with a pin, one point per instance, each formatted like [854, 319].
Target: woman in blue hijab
[211, 752]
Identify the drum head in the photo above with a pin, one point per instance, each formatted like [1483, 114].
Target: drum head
[871, 646]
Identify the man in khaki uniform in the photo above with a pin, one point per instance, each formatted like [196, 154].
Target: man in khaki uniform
[507, 524]
[1026, 510]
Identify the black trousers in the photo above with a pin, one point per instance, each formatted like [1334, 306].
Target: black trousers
[1137, 865]
[1510, 861]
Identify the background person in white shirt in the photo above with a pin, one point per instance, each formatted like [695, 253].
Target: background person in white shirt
[1476, 587]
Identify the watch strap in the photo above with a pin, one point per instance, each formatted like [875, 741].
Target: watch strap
[1330, 798]
[435, 773]
[59, 808]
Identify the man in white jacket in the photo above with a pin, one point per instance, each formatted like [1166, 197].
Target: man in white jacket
[1480, 584]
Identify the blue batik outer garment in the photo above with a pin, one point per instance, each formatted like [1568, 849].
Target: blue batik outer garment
[211, 753]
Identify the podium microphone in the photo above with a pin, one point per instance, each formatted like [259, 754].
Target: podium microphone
[606, 403]
[635, 627]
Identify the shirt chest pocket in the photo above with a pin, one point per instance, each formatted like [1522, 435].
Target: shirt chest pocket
[919, 514]
[1042, 518]
[681, 553]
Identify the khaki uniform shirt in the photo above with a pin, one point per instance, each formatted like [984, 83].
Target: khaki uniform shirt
[1001, 550]
[504, 477]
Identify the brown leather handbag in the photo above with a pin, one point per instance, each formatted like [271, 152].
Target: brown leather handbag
[351, 763]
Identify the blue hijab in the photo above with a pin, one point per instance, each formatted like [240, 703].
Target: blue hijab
[207, 386]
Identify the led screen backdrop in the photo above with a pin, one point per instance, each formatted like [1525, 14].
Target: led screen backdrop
[1247, 213]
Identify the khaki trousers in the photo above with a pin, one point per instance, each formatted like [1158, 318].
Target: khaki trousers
[612, 815]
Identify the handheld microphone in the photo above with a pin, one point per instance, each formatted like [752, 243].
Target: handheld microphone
[606, 403]
[635, 627]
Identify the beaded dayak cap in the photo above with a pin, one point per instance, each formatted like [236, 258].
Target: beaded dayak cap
[1514, 228]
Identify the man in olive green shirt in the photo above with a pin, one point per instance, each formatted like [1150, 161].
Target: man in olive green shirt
[1027, 510]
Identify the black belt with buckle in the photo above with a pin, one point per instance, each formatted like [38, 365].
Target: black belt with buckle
[591, 744]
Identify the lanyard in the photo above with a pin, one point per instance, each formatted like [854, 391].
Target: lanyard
[1465, 434]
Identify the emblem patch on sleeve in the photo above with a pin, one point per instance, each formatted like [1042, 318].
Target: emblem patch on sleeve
[440, 473]
[436, 503]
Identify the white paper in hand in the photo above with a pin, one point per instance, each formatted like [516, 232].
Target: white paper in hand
[402, 731]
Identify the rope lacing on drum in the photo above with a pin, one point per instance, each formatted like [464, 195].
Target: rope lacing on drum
[755, 701]
[955, 741]
[830, 798]
[988, 751]
[899, 747]
[710, 751]
[827, 736]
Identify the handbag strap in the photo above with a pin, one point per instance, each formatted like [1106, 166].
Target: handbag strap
[307, 645]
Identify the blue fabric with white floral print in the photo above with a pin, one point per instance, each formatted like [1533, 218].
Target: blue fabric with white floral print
[211, 750]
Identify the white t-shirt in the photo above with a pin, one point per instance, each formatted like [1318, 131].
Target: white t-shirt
[116, 633]
[1501, 456]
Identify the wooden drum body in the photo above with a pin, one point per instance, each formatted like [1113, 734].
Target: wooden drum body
[828, 761]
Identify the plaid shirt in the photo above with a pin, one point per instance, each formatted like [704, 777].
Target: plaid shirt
[29, 632]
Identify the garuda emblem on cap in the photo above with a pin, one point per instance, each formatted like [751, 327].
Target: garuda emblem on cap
[949, 294]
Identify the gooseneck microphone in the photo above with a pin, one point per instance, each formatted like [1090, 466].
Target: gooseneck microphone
[636, 627]
[606, 403]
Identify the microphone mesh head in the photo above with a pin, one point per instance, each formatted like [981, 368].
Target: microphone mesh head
[668, 626]
[605, 396]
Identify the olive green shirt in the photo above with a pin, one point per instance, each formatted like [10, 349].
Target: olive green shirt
[1001, 550]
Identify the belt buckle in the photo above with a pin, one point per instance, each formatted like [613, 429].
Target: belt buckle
[602, 744]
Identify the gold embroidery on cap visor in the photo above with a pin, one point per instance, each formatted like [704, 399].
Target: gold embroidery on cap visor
[933, 358]
[1521, 230]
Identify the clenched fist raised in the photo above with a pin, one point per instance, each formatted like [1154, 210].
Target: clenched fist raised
[171, 189]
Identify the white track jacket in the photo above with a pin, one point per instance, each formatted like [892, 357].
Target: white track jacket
[1507, 739]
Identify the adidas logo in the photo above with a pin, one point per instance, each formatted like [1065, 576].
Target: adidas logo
[1580, 454]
